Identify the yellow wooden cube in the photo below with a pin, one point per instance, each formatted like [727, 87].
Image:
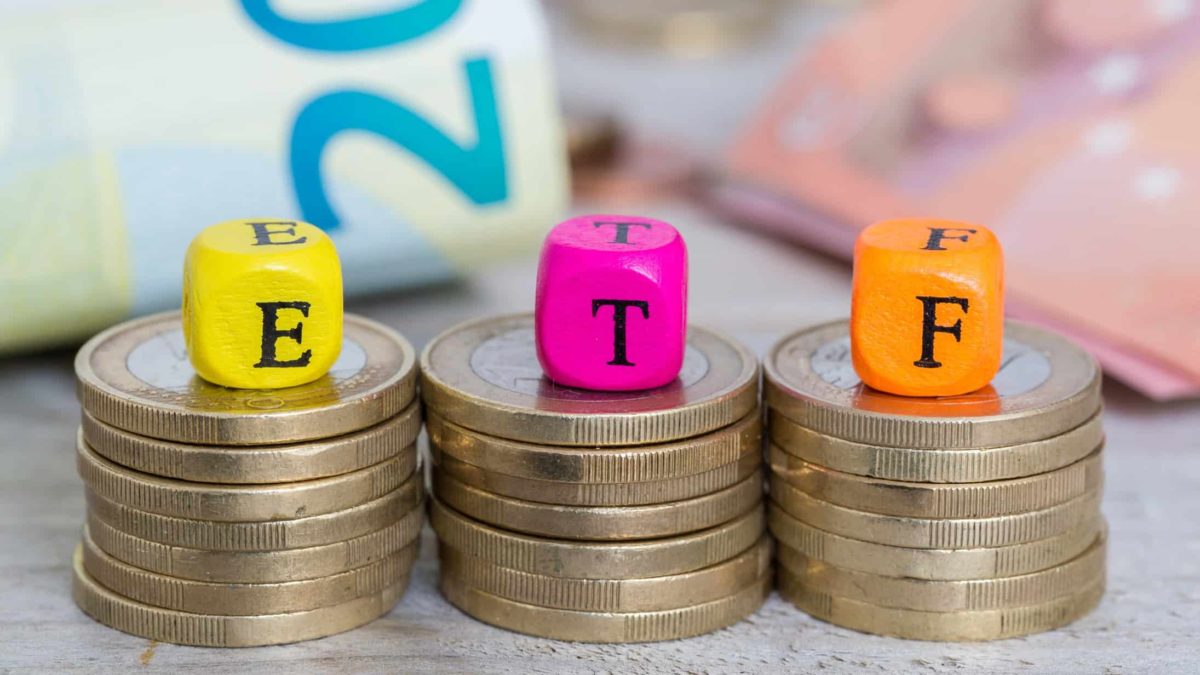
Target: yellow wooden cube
[262, 303]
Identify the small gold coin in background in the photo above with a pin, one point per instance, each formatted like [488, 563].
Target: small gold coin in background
[593, 139]
[248, 567]
[944, 500]
[626, 464]
[485, 376]
[241, 503]
[206, 630]
[938, 465]
[136, 376]
[571, 625]
[926, 563]
[259, 463]
[684, 29]
[596, 560]
[601, 522]
[272, 535]
[1046, 386]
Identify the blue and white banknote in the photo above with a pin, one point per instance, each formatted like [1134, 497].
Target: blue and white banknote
[424, 136]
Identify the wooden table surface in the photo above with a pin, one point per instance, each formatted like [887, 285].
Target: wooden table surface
[749, 287]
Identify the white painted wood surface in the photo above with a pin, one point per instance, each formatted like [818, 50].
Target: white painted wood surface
[752, 288]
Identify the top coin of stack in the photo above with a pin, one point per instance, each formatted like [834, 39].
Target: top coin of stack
[599, 516]
[956, 518]
[238, 517]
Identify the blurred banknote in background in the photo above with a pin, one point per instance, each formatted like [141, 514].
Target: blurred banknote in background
[1068, 126]
[424, 138]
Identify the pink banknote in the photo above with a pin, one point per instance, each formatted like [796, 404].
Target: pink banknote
[1067, 126]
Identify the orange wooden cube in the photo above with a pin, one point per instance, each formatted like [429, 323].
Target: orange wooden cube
[927, 311]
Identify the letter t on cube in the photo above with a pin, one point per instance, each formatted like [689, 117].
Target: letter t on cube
[611, 312]
[262, 303]
[927, 309]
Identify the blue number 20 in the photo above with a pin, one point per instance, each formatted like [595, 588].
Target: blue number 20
[479, 172]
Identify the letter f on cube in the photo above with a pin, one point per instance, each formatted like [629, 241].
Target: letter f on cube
[927, 310]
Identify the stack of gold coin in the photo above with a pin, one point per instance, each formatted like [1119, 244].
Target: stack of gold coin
[232, 517]
[595, 516]
[972, 517]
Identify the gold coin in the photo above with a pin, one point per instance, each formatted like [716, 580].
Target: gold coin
[945, 500]
[241, 503]
[936, 532]
[576, 626]
[611, 595]
[259, 463]
[485, 376]
[257, 567]
[696, 29]
[1046, 386]
[934, 564]
[271, 535]
[991, 624]
[596, 560]
[600, 494]
[629, 464]
[136, 376]
[202, 597]
[940, 465]
[608, 523]
[206, 630]
[948, 596]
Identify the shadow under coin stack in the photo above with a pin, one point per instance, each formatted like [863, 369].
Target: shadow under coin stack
[232, 517]
[595, 516]
[972, 517]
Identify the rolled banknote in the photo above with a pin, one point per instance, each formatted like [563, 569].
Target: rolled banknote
[423, 136]
[1065, 129]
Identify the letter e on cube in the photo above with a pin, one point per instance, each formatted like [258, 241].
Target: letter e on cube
[262, 303]
[611, 311]
[927, 310]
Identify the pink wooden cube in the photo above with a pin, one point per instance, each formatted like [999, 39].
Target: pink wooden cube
[612, 303]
